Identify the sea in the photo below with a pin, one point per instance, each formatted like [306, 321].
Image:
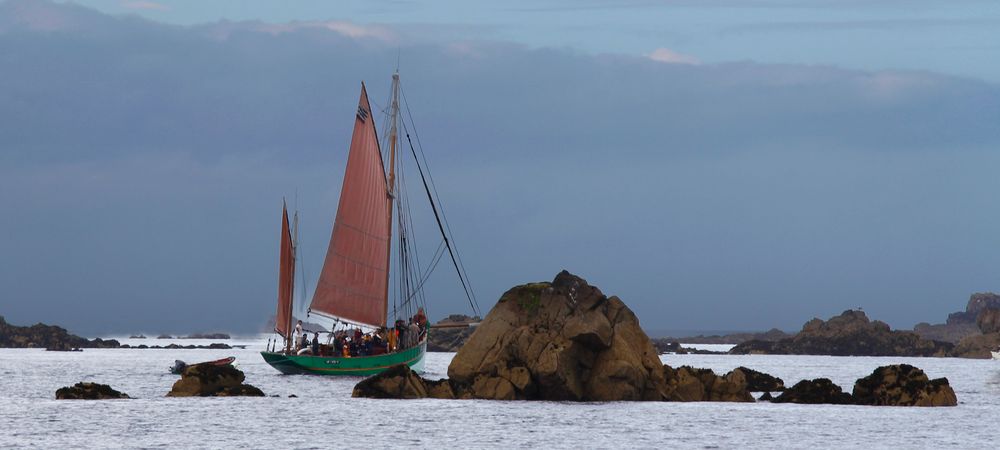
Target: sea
[322, 413]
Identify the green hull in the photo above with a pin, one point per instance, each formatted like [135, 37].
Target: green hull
[360, 366]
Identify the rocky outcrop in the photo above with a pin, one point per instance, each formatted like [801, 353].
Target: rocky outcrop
[688, 384]
[209, 380]
[975, 331]
[817, 391]
[760, 381]
[849, 334]
[988, 320]
[450, 339]
[89, 391]
[46, 336]
[947, 332]
[563, 340]
[977, 346]
[903, 385]
[398, 381]
[980, 301]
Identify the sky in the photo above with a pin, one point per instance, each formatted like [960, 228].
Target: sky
[719, 165]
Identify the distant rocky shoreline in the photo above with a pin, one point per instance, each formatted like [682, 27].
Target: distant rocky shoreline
[966, 334]
[56, 338]
[972, 333]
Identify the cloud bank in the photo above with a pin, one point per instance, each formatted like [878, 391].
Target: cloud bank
[144, 166]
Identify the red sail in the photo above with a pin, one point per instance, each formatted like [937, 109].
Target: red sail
[354, 280]
[286, 278]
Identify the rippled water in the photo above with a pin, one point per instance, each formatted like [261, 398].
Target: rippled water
[325, 415]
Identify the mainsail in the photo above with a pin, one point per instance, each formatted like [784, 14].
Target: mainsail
[354, 282]
[286, 278]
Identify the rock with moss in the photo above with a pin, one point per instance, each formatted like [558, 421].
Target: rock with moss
[903, 385]
[210, 380]
[89, 391]
[563, 340]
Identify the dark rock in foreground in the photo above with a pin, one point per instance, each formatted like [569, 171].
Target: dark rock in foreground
[46, 336]
[818, 391]
[760, 381]
[894, 385]
[89, 391]
[398, 381]
[903, 385]
[208, 380]
[849, 334]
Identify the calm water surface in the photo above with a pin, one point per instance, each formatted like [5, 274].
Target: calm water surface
[324, 415]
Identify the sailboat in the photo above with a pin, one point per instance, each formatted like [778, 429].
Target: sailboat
[353, 289]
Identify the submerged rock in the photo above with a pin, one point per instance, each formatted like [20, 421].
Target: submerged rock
[208, 380]
[817, 391]
[89, 391]
[903, 385]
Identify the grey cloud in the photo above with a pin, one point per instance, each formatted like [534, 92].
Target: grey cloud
[146, 164]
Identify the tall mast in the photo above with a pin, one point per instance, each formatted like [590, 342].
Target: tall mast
[291, 289]
[391, 188]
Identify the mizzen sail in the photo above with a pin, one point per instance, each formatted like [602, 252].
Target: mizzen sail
[286, 278]
[353, 283]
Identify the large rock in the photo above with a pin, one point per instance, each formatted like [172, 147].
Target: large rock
[817, 391]
[209, 380]
[849, 334]
[89, 391]
[760, 381]
[903, 385]
[563, 340]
